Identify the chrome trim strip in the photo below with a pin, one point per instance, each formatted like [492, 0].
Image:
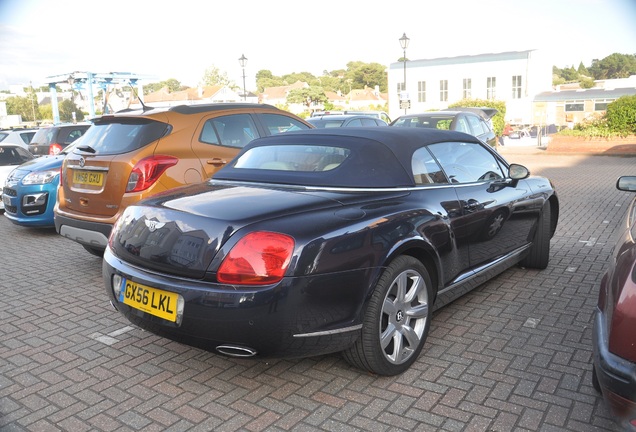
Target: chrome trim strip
[330, 332]
[333, 188]
[88, 168]
[462, 279]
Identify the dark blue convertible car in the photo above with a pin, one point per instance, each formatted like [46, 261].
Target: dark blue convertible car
[328, 240]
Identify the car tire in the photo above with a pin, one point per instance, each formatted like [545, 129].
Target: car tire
[539, 254]
[94, 251]
[397, 319]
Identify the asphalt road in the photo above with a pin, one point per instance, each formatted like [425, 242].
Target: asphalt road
[514, 354]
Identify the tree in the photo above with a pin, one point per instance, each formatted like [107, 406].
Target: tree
[582, 70]
[66, 108]
[172, 84]
[614, 66]
[213, 76]
[307, 96]
[26, 107]
[367, 75]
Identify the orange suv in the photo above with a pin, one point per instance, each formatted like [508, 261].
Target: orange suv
[132, 155]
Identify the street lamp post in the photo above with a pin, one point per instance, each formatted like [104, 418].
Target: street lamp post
[404, 43]
[242, 62]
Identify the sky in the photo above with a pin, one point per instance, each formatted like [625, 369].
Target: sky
[162, 40]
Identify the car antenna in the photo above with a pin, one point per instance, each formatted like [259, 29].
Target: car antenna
[143, 106]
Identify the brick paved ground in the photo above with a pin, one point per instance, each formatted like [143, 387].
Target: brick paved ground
[515, 354]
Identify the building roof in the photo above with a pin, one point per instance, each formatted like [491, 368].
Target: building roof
[195, 93]
[464, 59]
[593, 93]
[280, 92]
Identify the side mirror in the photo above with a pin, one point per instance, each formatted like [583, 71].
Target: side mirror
[626, 183]
[518, 172]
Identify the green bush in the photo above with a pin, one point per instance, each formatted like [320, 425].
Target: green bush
[621, 115]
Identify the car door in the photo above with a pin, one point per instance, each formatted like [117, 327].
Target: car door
[219, 138]
[495, 217]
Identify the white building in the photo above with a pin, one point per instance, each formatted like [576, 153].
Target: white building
[432, 84]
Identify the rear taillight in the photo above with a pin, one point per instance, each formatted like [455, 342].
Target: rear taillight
[259, 258]
[55, 149]
[147, 171]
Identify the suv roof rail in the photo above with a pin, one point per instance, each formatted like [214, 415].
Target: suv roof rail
[193, 109]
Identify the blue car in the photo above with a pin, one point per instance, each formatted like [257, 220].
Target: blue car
[30, 191]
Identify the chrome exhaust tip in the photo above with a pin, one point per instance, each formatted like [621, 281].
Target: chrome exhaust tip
[236, 351]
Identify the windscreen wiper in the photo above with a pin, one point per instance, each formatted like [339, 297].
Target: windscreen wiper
[87, 149]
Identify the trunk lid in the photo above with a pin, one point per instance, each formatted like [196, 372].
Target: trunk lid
[181, 232]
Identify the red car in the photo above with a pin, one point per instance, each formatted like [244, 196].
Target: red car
[614, 337]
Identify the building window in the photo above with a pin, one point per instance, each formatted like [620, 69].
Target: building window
[467, 88]
[400, 88]
[574, 106]
[601, 104]
[516, 87]
[491, 85]
[443, 90]
[421, 91]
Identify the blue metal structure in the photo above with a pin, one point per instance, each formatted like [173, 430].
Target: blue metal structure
[88, 80]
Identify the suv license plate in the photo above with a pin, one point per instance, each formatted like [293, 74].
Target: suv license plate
[88, 178]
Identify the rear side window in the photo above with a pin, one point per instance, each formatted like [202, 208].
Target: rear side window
[3, 136]
[234, 130]
[276, 123]
[122, 135]
[68, 135]
[466, 162]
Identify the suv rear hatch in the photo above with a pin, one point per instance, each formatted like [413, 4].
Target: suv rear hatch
[96, 175]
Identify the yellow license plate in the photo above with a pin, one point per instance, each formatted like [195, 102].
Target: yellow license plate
[88, 178]
[150, 300]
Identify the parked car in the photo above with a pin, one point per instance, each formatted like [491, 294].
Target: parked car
[345, 120]
[323, 241]
[30, 190]
[473, 121]
[11, 155]
[51, 140]
[17, 136]
[614, 339]
[132, 155]
[376, 114]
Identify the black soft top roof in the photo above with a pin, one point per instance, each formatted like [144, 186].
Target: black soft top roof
[378, 158]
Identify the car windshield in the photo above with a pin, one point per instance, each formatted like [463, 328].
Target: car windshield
[115, 136]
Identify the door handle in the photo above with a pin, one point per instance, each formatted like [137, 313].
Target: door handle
[216, 161]
[472, 205]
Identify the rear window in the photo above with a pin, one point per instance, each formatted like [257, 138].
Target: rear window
[44, 136]
[3, 136]
[122, 135]
[293, 158]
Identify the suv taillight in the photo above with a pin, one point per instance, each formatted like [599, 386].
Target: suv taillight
[259, 258]
[147, 171]
[55, 149]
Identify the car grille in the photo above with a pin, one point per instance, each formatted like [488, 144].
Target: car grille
[11, 209]
[9, 192]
